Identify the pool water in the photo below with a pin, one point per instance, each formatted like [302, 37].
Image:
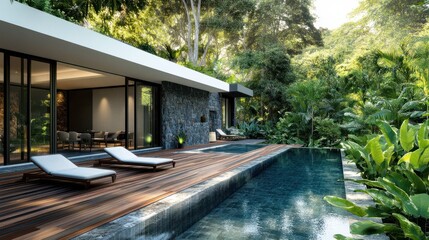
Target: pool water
[283, 202]
[234, 148]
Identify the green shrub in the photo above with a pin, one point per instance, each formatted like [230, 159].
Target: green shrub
[394, 167]
[327, 132]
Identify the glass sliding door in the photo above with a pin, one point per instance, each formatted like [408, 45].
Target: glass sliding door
[24, 108]
[143, 111]
[40, 108]
[18, 113]
[144, 115]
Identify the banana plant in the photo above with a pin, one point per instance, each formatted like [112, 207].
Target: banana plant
[409, 145]
[401, 199]
[395, 168]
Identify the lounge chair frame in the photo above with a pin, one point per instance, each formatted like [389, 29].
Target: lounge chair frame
[224, 136]
[117, 162]
[42, 175]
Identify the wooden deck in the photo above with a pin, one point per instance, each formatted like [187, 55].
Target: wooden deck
[58, 210]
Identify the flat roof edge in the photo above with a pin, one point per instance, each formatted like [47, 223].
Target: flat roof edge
[238, 90]
[77, 45]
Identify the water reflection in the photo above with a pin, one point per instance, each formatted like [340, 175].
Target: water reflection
[283, 202]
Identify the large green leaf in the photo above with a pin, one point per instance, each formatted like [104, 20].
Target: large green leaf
[400, 181]
[422, 135]
[415, 157]
[346, 205]
[418, 183]
[424, 143]
[379, 212]
[367, 182]
[376, 151]
[388, 153]
[406, 136]
[406, 158]
[370, 227]
[399, 195]
[424, 158]
[421, 201]
[362, 151]
[342, 237]
[382, 197]
[410, 229]
[388, 132]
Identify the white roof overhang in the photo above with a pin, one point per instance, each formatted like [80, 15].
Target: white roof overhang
[27, 30]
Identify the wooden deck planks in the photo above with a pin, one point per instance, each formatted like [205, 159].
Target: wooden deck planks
[53, 210]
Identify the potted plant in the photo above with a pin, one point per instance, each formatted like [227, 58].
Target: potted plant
[181, 138]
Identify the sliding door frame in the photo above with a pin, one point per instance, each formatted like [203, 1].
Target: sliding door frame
[156, 115]
[6, 99]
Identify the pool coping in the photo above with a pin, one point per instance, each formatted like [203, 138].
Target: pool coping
[169, 217]
[174, 214]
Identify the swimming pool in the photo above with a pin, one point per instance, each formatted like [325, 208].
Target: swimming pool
[283, 202]
[233, 148]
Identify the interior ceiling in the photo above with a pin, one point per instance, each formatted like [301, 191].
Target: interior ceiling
[69, 77]
[72, 77]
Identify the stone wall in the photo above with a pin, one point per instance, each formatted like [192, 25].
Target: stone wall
[181, 109]
[215, 115]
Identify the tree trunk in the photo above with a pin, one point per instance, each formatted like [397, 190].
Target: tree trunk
[196, 13]
[203, 58]
[189, 33]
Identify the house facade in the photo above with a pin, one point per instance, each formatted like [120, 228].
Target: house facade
[56, 76]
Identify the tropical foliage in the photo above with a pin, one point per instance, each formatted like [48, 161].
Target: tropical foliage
[395, 170]
[364, 85]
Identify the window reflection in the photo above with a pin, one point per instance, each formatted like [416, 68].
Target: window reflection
[18, 110]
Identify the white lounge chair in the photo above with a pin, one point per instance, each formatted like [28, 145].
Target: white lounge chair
[56, 166]
[225, 136]
[123, 156]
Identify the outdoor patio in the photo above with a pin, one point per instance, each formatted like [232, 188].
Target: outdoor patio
[55, 210]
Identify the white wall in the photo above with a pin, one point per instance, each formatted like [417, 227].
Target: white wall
[108, 109]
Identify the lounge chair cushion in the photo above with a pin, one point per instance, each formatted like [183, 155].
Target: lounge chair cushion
[123, 155]
[148, 160]
[83, 173]
[223, 134]
[120, 153]
[53, 163]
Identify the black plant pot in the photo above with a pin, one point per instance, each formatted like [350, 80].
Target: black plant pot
[180, 145]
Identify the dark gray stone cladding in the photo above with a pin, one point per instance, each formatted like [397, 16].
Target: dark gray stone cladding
[215, 107]
[181, 109]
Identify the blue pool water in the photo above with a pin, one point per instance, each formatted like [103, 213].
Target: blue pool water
[234, 148]
[283, 202]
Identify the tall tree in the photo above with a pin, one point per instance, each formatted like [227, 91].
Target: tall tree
[202, 23]
[392, 20]
[289, 23]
